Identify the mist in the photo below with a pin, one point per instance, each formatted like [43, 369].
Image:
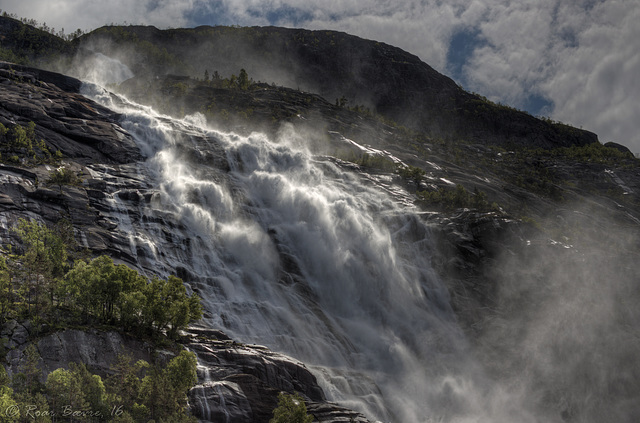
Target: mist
[562, 329]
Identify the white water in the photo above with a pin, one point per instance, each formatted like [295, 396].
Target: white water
[297, 254]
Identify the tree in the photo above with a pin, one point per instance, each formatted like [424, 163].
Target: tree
[92, 388]
[168, 307]
[77, 288]
[6, 292]
[164, 391]
[63, 176]
[243, 80]
[290, 409]
[126, 381]
[65, 392]
[8, 405]
[181, 372]
[28, 380]
[44, 261]
[157, 394]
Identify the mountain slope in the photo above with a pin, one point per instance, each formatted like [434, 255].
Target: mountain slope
[334, 65]
[383, 78]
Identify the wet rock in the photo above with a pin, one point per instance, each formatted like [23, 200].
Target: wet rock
[241, 383]
[98, 350]
[67, 121]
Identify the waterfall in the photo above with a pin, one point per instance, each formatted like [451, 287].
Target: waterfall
[292, 251]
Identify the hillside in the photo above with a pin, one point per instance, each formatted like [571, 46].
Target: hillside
[382, 78]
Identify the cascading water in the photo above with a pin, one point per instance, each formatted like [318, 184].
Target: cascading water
[296, 253]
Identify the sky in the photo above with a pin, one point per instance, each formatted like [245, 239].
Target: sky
[574, 61]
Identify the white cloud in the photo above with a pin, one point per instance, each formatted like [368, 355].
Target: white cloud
[596, 84]
[91, 14]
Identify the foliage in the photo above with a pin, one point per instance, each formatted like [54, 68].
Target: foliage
[41, 278]
[411, 172]
[459, 197]
[35, 275]
[75, 394]
[291, 409]
[243, 80]
[118, 294]
[7, 401]
[6, 292]
[19, 145]
[63, 176]
[164, 391]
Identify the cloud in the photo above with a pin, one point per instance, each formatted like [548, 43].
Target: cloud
[596, 85]
[575, 61]
[92, 14]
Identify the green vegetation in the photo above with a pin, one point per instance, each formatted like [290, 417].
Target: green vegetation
[411, 173]
[42, 285]
[47, 282]
[291, 409]
[450, 199]
[134, 392]
[19, 146]
[367, 161]
[63, 176]
[28, 42]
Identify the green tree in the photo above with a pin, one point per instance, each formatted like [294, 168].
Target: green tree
[157, 395]
[243, 80]
[43, 263]
[28, 380]
[65, 392]
[168, 307]
[6, 293]
[93, 390]
[126, 380]
[164, 391]
[182, 375]
[290, 409]
[63, 176]
[9, 412]
[77, 289]
[33, 407]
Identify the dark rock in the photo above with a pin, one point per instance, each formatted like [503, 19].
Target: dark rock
[618, 147]
[78, 127]
[232, 376]
[98, 350]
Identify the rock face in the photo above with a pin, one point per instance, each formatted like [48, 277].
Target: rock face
[81, 129]
[90, 141]
[240, 383]
[334, 65]
[97, 349]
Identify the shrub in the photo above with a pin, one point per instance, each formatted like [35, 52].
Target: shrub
[290, 409]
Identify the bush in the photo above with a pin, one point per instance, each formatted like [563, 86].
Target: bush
[290, 409]
[63, 176]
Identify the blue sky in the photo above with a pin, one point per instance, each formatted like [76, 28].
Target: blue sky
[575, 61]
